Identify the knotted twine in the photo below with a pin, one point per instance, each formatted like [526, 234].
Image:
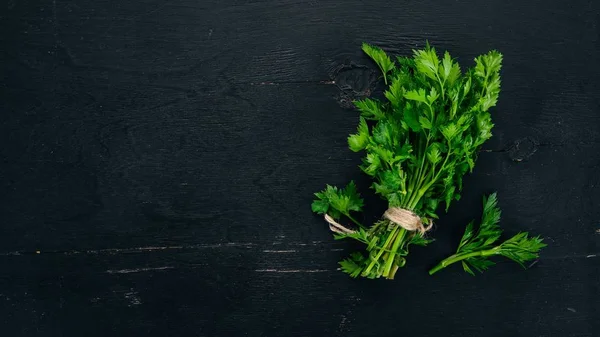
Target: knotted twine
[402, 217]
[407, 219]
[337, 227]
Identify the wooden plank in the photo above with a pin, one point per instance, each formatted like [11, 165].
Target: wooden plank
[292, 291]
[245, 167]
[187, 47]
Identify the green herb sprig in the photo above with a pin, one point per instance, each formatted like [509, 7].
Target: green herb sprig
[478, 246]
[419, 143]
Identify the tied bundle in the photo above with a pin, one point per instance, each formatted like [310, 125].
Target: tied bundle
[418, 143]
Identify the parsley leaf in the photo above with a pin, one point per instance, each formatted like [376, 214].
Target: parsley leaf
[383, 61]
[369, 109]
[477, 246]
[337, 202]
[360, 140]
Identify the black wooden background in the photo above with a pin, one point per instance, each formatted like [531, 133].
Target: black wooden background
[159, 157]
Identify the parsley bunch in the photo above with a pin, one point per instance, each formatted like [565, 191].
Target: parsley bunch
[477, 246]
[418, 144]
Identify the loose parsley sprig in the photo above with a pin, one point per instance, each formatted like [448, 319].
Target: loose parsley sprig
[477, 246]
[418, 144]
[337, 202]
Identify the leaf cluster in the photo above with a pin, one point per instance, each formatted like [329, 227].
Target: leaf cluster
[422, 139]
[337, 202]
[478, 245]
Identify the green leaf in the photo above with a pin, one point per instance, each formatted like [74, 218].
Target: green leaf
[382, 133]
[491, 212]
[434, 155]
[385, 155]
[403, 153]
[389, 182]
[450, 71]
[467, 86]
[480, 69]
[433, 95]
[382, 60]
[487, 69]
[353, 265]
[448, 195]
[335, 202]
[446, 65]
[411, 117]
[371, 164]
[484, 125]
[425, 122]
[521, 248]
[395, 93]
[488, 64]
[419, 240]
[369, 109]
[467, 269]
[417, 95]
[487, 102]
[467, 236]
[455, 102]
[427, 62]
[449, 131]
[360, 140]
[431, 205]
[348, 199]
[480, 264]
[320, 206]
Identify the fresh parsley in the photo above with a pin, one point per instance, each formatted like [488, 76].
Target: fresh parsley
[337, 202]
[418, 143]
[478, 246]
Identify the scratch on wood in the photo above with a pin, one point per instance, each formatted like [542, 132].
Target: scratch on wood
[292, 270]
[263, 83]
[342, 323]
[133, 298]
[312, 243]
[573, 256]
[326, 82]
[151, 248]
[246, 245]
[136, 270]
[280, 251]
[55, 26]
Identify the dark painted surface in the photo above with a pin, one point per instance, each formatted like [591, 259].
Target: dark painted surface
[159, 157]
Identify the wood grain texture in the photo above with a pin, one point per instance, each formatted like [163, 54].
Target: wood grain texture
[160, 157]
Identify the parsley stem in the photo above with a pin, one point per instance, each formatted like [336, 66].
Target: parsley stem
[441, 84]
[459, 257]
[391, 236]
[435, 178]
[419, 175]
[418, 197]
[354, 220]
[397, 242]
